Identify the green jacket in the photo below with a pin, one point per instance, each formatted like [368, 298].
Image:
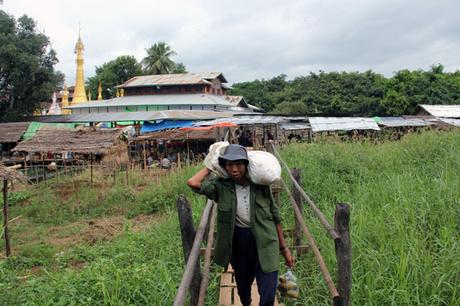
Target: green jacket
[264, 217]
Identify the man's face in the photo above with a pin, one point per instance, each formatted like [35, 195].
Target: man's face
[235, 169]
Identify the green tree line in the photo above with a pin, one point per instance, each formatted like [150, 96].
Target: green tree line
[353, 93]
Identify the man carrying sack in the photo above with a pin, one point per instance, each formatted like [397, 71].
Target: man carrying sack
[249, 232]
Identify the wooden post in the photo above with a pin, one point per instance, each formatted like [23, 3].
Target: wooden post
[296, 173]
[343, 252]
[36, 174]
[187, 231]
[25, 166]
[65, 166]
[127, 175]
[44, 171]
[188, 152]
[145, 157]
[179, 164]
[57, 169]
[91, 167]
[5, 218]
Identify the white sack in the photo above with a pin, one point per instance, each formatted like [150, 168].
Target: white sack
[263, 168]
[211, 160]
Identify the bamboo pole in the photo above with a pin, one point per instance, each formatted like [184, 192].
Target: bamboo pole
[207, 258]
[194, 253]
[319, 258]
[332, 233]
[5, 218]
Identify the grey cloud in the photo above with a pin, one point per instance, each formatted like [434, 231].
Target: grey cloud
[259, 39]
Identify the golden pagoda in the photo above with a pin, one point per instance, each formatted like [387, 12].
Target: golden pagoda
[79, 95]
[65, 101]
[99, 91]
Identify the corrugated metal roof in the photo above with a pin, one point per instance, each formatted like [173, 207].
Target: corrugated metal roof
[454, 122]
[401, 122]
[294, 126]
[242, 120]
[172, 79]
[181, 99]
[322, 124]
[447, 111]
[138, 116]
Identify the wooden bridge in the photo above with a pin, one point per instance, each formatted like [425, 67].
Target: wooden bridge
[196, 283]
[228, 294]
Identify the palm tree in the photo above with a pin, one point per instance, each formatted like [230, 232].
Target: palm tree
[158, 59]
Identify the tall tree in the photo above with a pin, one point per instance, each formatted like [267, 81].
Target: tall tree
[113, 73]
[27, 75]
[158, 59]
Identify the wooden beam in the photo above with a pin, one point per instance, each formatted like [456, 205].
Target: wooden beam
[207, 258]
[192, 260]
[343, 252]
[5, 218]
[298, 199]
[188, 235]
[319, 258]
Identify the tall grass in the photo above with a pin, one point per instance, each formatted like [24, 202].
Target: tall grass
[405, 219]
[405, 227]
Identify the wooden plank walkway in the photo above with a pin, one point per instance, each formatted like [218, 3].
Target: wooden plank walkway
[228, 295]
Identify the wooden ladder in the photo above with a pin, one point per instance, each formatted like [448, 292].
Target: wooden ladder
[228, 294]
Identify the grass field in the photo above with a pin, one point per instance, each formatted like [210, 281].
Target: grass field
[405, 227]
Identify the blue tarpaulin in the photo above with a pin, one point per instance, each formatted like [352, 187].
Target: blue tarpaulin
[148, 127]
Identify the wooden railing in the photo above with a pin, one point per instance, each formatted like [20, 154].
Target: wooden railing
[195, 283]
[340, 235]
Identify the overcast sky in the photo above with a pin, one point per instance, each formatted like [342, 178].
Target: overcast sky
[255, 39]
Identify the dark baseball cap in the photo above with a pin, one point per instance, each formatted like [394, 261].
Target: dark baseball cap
[234, 152]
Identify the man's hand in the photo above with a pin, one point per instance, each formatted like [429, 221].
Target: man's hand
[289, 259]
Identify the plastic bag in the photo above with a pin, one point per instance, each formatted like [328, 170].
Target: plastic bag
[287, 286]
[211, 160]
[263, 168]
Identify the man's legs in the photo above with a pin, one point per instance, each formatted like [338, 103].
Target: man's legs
[266, 284]
[244, 262]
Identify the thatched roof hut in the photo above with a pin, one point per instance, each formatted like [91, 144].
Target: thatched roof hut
[83, 141]
[13, 131]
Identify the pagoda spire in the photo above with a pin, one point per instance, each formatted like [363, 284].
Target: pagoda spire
[65, 101]
[99, 91]
[79, 95]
